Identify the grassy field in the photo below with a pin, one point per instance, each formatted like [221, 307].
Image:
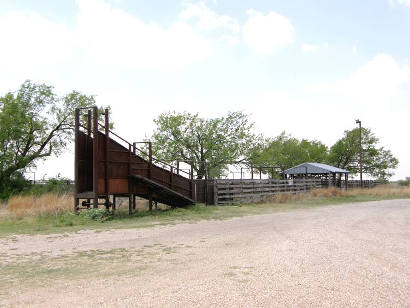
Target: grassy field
[53, 214]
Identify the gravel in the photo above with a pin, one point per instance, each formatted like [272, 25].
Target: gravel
[335, 256]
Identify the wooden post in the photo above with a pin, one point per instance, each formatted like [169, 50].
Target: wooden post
[260, 173]
[114, 203]
[193, 197]
[252, 173]
[215, 193]
[206, 186]
[177, 166]
[129, 204]
[133, 203]
[95, 157]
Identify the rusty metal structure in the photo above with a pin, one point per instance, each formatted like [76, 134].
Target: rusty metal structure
[108, 166]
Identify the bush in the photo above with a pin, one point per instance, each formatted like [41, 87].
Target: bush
[58, 185]
[12, 186]
[405, 182]
[97, 214]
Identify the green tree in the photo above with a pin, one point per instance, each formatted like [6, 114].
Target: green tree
[35, 123]
[285, 151]
[207, 143]
[377, 161]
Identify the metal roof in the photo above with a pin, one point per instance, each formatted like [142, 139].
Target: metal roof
[313, 168]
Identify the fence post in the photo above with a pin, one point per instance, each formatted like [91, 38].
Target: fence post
[215, 193]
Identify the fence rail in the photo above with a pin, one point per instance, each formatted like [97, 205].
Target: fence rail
[248, 191]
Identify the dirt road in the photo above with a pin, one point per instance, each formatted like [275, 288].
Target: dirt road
[345, 255]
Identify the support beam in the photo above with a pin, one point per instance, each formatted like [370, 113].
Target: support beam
[150, 202]
[130, 205]
[107, 159]
[95, 156]
[76, 160]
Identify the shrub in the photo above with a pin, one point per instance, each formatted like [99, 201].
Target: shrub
[58, 185]
[97, 214]
[405, 182]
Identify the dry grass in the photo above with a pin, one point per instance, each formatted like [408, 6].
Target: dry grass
[53, 204]
[47, 204]
[382, 191]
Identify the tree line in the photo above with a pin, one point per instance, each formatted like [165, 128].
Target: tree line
[216, 143]
[36, 123]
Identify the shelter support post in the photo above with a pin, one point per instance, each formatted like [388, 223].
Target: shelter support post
[346, 181]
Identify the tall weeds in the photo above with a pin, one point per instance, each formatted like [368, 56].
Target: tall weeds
[47, 204]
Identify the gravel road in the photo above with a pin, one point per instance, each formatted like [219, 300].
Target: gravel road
[345, 255]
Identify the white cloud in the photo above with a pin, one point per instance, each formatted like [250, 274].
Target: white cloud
[111, 36]
[374, 85]
[310, 48]
[206, 19]
[32, 47]
[354, 50]
[404, 2]
[393, 3]
[267, 33]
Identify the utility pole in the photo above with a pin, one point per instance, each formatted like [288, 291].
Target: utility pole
[360, 152]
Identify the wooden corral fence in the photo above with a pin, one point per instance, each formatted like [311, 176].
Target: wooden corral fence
[249, 191]
[366, 183]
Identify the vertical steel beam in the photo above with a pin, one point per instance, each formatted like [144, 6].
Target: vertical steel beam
[95, 156]
[129, 167]
[171, 177]
[89, 122]
[346, 181]
[107, 157]
[76, 159]
[150, 161]
[150, 201]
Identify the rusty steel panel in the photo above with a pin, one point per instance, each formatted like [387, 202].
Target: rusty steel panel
[103, 167]
[118, 186]
[85, 163]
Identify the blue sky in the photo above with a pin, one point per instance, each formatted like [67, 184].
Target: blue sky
[309, 68]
